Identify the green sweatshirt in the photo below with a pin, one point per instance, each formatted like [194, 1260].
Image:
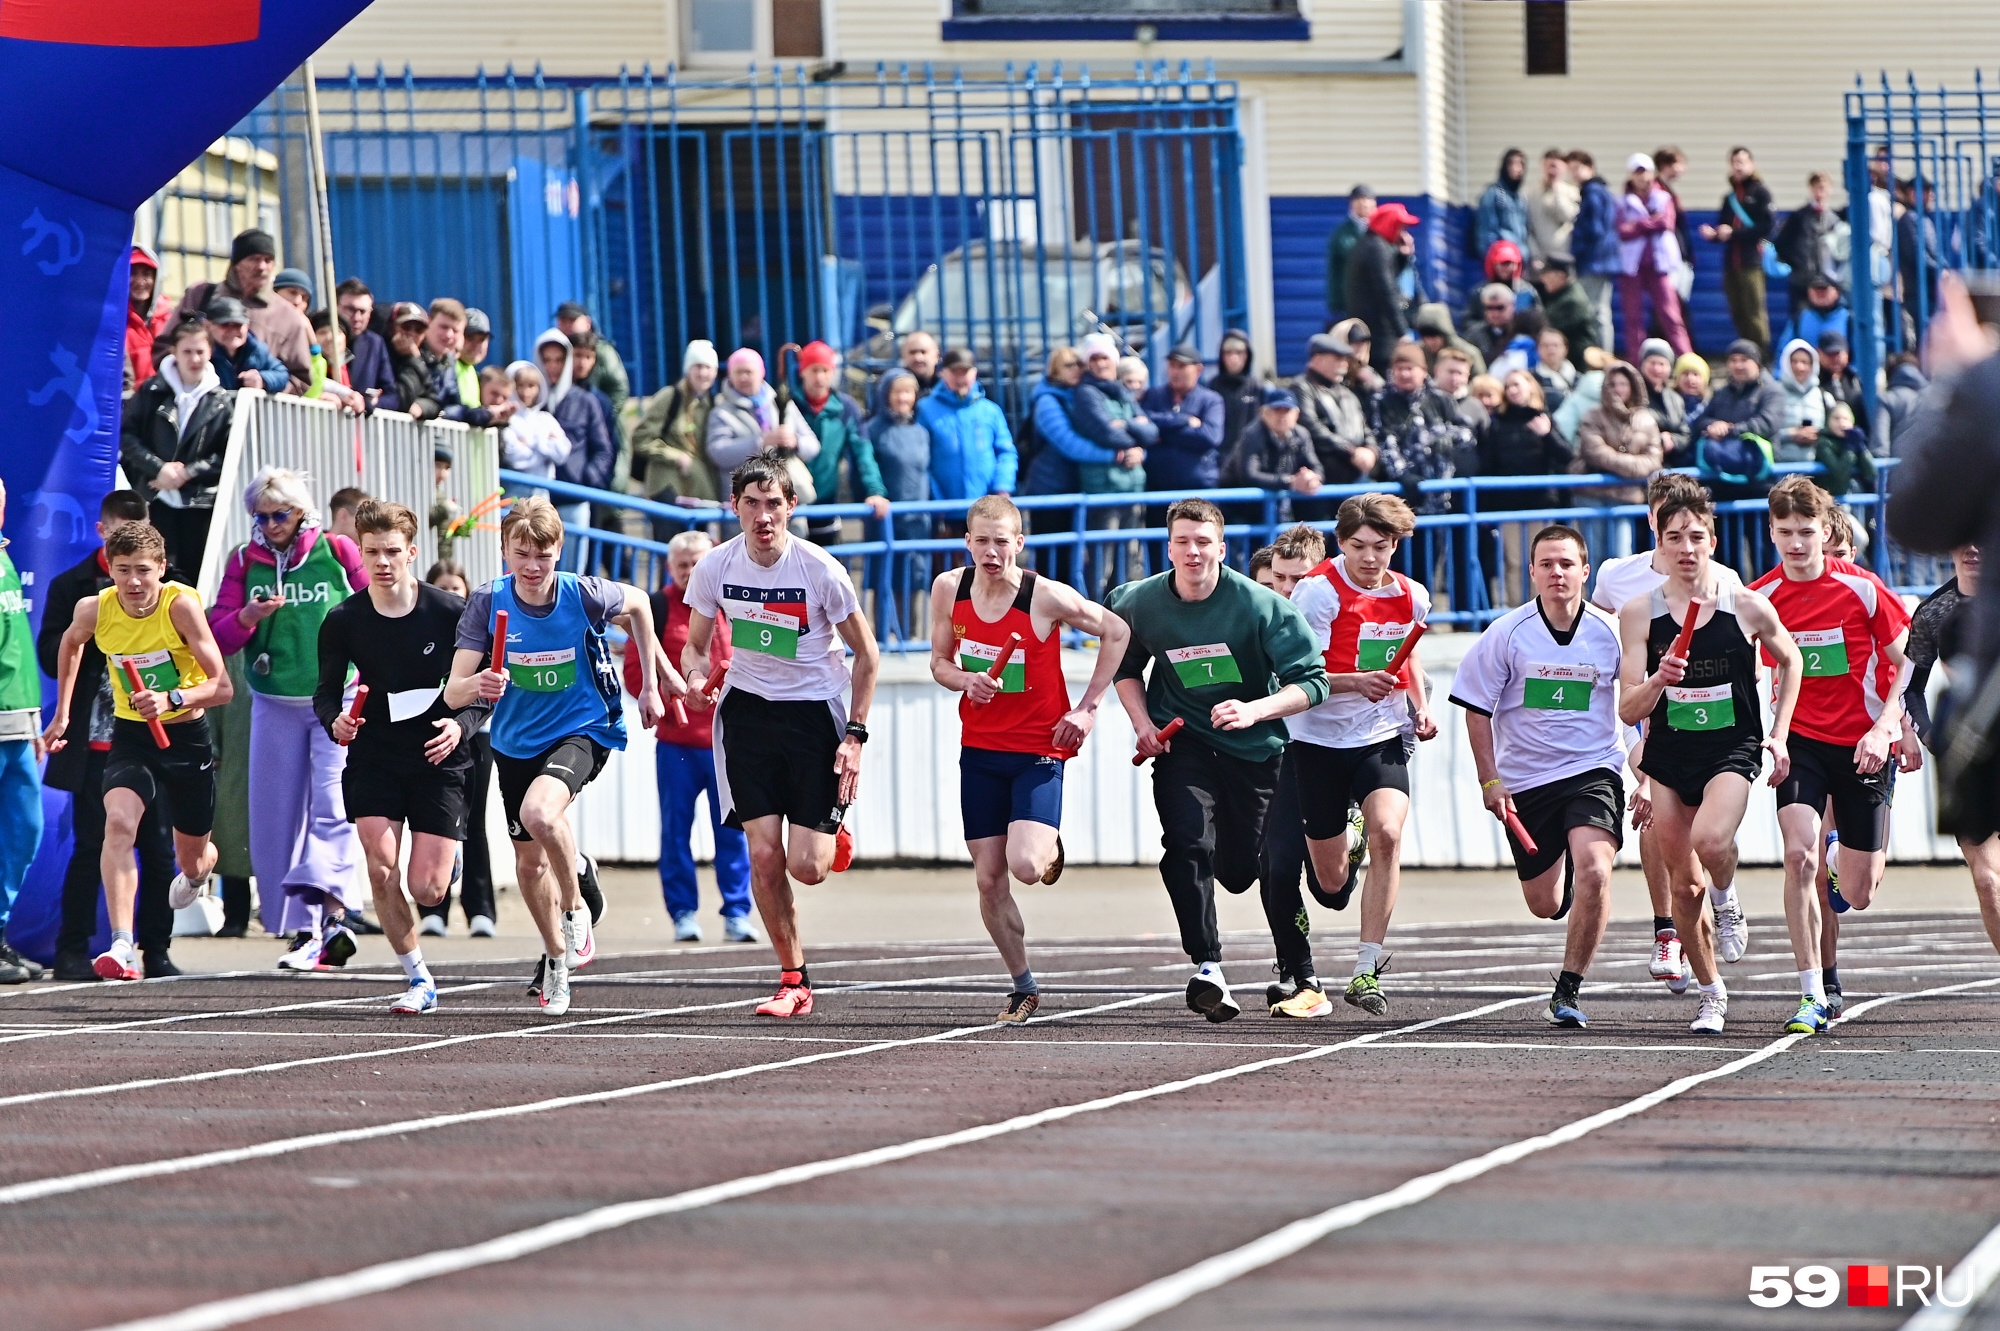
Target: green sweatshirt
[1230, 645]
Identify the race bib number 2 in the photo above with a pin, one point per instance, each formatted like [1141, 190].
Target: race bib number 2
[1211, 663]
[1701, 709]
[1558, 688]
[157, 671]
[752, 629]
[1825, 651]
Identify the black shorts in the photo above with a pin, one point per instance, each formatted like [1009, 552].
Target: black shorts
[1690, 782]
[179, 779]
[1333, 780]
[776, 758]
[1589, 799]
[425, 798]
[574, 760]
[1823, 771]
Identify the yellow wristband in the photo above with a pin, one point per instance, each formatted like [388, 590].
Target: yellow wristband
[1494, 782]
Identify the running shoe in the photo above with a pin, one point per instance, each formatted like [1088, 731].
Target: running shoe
[579, 940]
[1836, 1003]
[1838, 902]
[738, 929]
[431, 927]
[1308, 1002]
[119, 963]
[791, 1000]
[687, 929]
[304, 954]
[1708, 1017]
[1668, 964]
[420, 997]
[1357, 851]
[1564, 1010]
[1810, 1019]
[555, 987]
[1680, 984]
[1569, 887]
[1365, 990]
[482, 927]
[1054, 871]
[158, 965]
[184, 891]
[843, 849]
[1210, 996]
[336, 948]
[1281, 988]
[1732, 931]
[541, 977]
[586, 882]
[9, 957]
[1019, 1008]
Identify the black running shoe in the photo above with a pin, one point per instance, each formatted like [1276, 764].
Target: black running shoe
[541, 969]
[593, 895]
[73, 967]
[9, 957]
[159, 966]
[1280, 989]
[361, 924]
[1569, 887]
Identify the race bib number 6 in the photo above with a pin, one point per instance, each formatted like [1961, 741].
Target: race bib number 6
[753, 629]
[1211, 663]
[1558, 688]
[1376, 644]
[1701, 709]
[1825, 651]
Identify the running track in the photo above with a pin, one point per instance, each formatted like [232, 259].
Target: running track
[278, 1151]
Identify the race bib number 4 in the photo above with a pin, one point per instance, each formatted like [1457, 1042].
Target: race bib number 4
[1377, 643]
[752, 629]
[1558, 688]
[1825, 651]
[542, 672]
[157, 671]
[979, 658]
[1211, 663]
[1701, 709]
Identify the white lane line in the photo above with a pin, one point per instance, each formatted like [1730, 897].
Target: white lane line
[510, 1247]
[1135, 1306]
[101, 1028]
[1975, 1275]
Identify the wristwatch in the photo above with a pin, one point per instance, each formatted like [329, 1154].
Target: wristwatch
[856, 730]
[175, 700]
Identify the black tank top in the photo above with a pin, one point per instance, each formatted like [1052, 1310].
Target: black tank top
[1714, 709]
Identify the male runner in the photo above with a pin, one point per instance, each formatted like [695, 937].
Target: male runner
[557, 714]
[1705, 730]
[1618, 581]
[1539, 691]
[158, 627]
[1351, 748]
[789, 751]
[410, 752]
[1019, 730]
[1850, 630]
[1217, 643]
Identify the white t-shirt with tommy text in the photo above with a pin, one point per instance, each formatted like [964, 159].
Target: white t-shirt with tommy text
[780, 619]
[1553, 698]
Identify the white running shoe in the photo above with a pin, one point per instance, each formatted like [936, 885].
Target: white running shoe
[579, 941]
[555, 988]
[1667, 963]
[1708, 1017]
[183, 892]
[430, 926]
[1732, 931]
[482, 926]
[304, 955]
[1678, 985]
[420, 997]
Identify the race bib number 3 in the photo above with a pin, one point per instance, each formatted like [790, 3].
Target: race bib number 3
[1558, 688]
[542, 672]
[979, 657]
[157, 671]
[1701, 709]
[752, 629]
[1377, 643]
[1211, 663]
[1825, 651]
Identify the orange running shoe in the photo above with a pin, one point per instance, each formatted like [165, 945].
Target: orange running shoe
[843, 850]
[118, 963]
[791, 1000]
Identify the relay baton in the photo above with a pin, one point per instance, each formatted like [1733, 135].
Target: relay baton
[1520, 832]
[680, 712]
[1686, 635]
[133, 684]
[994, 671]
[1167, 732]
[500, 641]
[713, 684]
[354, 712]
[1409, 645]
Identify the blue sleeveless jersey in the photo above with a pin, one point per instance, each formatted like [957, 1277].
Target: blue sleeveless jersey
[560, 678]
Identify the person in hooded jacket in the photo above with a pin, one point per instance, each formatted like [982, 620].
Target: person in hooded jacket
[532, 440]
[1649, 258]
[747, 418]
[593, 449]
[1236, 379]
[1593, 240]
[172, 440]
[902, 448]
[1620, 436]
[1804, 417]
[146, 317]
[1502, 213]
[1896, 406]
[1108, 415]
[972, 448]
[1373, 294]
[1669, 408]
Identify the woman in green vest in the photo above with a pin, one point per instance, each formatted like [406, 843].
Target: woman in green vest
[276, 588]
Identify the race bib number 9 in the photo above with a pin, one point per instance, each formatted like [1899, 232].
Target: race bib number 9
[1825, 651]
[157, 671]
[752, 629]
[1558, 688]
[542, 672]
[979, 658]
[1701, 709]
[1211, 663]
[1375, 644]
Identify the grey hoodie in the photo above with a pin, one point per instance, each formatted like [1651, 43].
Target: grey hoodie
[1805, 404]
[532, 440]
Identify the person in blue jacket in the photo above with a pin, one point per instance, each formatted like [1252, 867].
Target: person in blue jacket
[1502, 213]
[972, 448]
[241, 358]
[1189, 414]
[1593, 240]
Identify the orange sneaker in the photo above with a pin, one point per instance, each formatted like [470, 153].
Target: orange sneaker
[117, 964]
[843, 850]
[791, 1000]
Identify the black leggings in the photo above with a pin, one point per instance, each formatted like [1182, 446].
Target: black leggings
[475, 889]
[1284, 855]
[1212, 809]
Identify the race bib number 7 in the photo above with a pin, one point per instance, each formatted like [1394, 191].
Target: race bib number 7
[157, 671]
[1825, 651]
[1701, 709]
[1558, 688]
[979, 657]
[1211, 663]
[753, 629]
[1376, 644]
[542, 672]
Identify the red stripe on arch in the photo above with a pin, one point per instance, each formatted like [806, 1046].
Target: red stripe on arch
[139, 23]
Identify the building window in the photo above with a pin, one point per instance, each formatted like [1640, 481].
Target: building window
[1126, 20]
[795, 30]
[1547, 26]
[721, 29]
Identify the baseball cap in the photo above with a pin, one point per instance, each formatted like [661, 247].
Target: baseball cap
[477, 324]
[1186, 354]
[409, 312]
[1279, 398]
[226, 310]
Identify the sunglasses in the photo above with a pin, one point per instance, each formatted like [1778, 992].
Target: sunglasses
[278, 518]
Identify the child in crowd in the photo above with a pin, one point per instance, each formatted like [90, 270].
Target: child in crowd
[533, 440]
[1132, 373]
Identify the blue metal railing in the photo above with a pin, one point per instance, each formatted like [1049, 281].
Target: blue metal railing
[1467, 557]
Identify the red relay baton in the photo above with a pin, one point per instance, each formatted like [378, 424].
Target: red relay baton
[1686, 634]
[1520, 832]
[1395, 665]
[133, 684]
[500, 640]
[354, 712]
[1167, 732]
[999, 666]
[680, 712]
[713, 684]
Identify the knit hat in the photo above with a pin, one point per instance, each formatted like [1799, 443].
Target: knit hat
[251, 243]
[817, 353]
[1743, 346]
[293, 277]
[746, 356]
[701, 351]
[1690, 361]
[1655, 346]
[1098, 344]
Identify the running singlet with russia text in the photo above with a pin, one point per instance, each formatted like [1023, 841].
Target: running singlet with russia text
[1033, 695]
[1841, 621]
[780, 620]
[1357, 630]
[1714, 709]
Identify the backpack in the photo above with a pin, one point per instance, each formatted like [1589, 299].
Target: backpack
[1735, 459]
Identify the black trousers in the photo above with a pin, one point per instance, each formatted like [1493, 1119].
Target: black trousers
[82, 881]
[186, 533]
[475, 886]
[1284, 856]
[1212, 809]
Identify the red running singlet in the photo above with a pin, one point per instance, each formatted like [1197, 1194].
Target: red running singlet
[1033, 696]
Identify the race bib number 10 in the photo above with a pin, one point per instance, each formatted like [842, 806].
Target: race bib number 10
[752, 629]
[1211, 663]
[1701, 709]
[1825, 651]
[542, 672]
[1558, 688]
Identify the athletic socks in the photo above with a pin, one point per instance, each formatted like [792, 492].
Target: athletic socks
[121, 936]
[1716, 989]
[1829, 979]
[1723, 895]
[1024, 983]
[797, 977]
[413, 966]
[1365, 961]
[1212, 972]
[330, 922]
[1663, 927]
[1810, 986]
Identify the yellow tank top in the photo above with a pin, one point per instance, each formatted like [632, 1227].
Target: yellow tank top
[152, 644]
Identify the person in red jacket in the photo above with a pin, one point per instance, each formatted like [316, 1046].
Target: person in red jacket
[145, 317]
[684, 760]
